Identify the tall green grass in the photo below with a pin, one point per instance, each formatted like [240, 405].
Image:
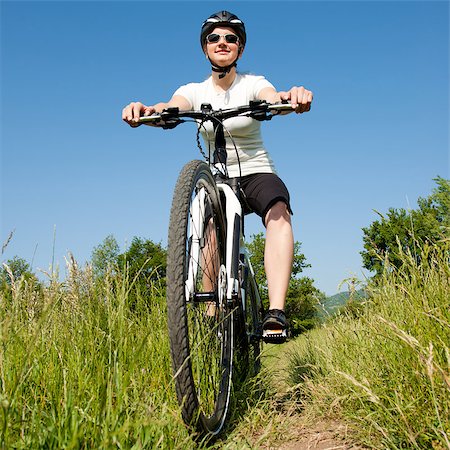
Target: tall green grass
[85, 363]
[385, 367]
[82, 368]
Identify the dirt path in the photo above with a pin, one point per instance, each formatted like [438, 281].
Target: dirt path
[323, 436]
[297, 432]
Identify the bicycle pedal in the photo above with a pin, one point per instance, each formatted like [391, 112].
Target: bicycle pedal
[274, 336]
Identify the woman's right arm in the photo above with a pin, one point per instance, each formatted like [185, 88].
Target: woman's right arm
[134, 110]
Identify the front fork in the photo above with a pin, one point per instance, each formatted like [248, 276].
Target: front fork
[234, 246]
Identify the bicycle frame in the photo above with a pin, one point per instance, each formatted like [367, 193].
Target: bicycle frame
[233, 215]
[236, 253]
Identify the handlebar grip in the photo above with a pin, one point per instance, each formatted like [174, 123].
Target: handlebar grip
[153, 118]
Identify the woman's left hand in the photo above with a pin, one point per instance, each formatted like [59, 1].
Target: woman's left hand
[299, 97]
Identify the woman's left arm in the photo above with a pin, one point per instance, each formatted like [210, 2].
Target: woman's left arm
[299, 97]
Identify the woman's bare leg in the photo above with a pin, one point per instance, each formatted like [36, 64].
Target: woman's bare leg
[210, 264]
[278, 253]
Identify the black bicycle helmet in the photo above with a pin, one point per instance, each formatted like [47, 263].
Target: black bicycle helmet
[226, 19]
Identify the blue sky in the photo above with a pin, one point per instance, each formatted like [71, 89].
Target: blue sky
[375, 138]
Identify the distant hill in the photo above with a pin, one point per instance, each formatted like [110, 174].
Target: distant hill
[331, 305]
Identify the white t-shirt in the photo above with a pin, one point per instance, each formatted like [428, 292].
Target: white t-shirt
[246, 132]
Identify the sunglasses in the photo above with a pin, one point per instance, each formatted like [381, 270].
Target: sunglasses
[214, 38]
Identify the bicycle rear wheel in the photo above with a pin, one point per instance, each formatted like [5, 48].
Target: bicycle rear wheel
[253, 320]
[199, 320]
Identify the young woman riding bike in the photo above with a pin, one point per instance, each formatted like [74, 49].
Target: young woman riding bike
[223, 38]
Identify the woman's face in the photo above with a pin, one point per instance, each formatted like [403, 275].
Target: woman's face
[222, 53]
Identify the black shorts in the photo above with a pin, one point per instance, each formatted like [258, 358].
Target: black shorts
[262, 191]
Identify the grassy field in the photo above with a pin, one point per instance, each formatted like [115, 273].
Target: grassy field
[384, 367]
[80, 369]
[84, 364]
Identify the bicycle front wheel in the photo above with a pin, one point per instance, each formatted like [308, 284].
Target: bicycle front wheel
[199, 320]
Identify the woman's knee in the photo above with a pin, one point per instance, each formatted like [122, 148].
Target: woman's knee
[278, 213]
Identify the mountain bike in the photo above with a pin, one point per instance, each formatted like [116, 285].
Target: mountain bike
[214, 308]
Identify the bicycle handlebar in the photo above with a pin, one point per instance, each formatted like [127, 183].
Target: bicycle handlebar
[258, 110]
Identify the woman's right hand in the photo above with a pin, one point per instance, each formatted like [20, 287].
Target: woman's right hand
[134, 110]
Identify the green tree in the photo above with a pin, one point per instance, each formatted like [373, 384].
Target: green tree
[402, 231]
[301, 304]
[302, 296]
[20, 271]
[105, 256]
[145, 263]
[18, 268]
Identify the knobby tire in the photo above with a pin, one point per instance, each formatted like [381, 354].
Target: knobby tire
[199, 320]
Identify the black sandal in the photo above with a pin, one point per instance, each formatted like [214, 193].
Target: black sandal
[275, 327]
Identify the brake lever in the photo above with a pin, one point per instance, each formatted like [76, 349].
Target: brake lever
[170, 123]
[169, 118]
[261, 112]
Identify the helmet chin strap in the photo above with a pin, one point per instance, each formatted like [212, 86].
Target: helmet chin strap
[223, 70]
